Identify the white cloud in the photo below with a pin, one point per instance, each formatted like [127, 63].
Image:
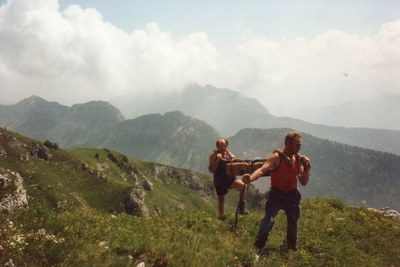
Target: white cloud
[309, 72]
[74, 55]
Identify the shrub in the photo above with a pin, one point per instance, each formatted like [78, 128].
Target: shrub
[51, 145]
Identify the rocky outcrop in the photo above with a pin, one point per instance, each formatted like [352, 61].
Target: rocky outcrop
[104, 166]
[387, 212]
[24, 150]
[12, 192]
[134, 203]
[147, 185]
[41, 152]
[170, 175]
[3, 153]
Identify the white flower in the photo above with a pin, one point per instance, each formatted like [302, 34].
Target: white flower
[41, 231]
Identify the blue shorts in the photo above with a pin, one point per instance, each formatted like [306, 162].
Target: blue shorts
[222, 187]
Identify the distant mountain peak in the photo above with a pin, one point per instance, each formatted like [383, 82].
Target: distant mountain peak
[32, 100]
[175, 113]
[35, 102]
[94, 103]
[98, 108]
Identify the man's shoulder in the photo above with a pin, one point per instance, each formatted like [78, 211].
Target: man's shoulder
[276, 154]
[213, 153]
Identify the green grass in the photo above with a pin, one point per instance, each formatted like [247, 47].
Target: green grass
[330, 234]
[74, 178]
[93, 230]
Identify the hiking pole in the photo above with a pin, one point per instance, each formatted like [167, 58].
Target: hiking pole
[234, 228]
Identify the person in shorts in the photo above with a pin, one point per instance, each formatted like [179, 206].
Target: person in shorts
[222, 181]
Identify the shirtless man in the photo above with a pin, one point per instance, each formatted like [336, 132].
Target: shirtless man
[222, 181]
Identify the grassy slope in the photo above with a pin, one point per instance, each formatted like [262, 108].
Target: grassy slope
[330, 234]
[72, 178]
[92, 230]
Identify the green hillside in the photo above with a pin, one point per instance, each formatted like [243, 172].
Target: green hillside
[173, 139]
[76, 216]
[330, 234]
[103, 179]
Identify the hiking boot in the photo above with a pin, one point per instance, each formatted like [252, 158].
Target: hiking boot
[242, 208]
[292, 245]
[260, 242]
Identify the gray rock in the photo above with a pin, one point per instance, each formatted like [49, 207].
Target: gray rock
[134, 203]
[387, 212]
[102, 166]
[40, 151]
[12, 192]
[148, 185]
[9, 263]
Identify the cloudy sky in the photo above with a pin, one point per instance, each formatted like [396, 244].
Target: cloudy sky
[287, 54]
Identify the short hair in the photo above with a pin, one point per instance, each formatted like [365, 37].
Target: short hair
[291, 136]
[221, 139]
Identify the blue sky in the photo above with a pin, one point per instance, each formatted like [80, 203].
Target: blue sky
[224, 20]
[74, 51]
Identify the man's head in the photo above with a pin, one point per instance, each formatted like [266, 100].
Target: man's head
[221, 144]
[293, 142]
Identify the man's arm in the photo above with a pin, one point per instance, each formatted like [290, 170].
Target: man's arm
[213, 162]
[271, 163]
[304, 170]
[231, 154]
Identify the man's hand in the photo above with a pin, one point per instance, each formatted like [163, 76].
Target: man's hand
[246, 178]
[305, 161]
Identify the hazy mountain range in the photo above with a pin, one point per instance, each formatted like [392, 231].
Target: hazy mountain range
[229, 111]
[352, 173]
[382, 112]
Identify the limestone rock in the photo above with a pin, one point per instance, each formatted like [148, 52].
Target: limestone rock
[12, 192]
[41, 152]
[134, 203]
[148, 185]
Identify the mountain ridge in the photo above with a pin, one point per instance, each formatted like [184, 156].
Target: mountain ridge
[236, 116]
[229, 111]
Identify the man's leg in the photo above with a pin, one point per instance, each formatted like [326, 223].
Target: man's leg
[221, 190]
[271, 210]
[240, 186]
[221, 206]
[293, 215]
[242, 195]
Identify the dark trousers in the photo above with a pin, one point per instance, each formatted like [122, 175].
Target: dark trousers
[280, 200]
